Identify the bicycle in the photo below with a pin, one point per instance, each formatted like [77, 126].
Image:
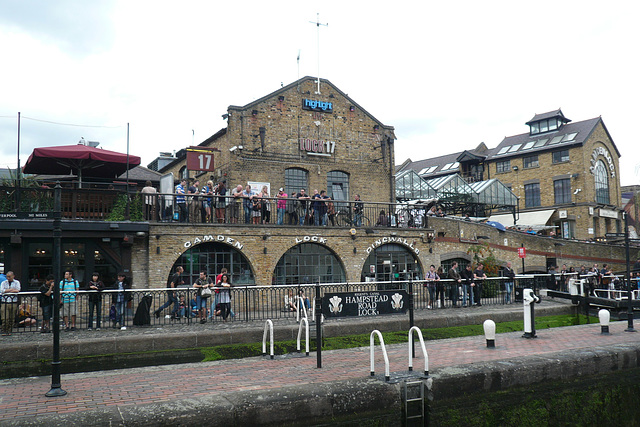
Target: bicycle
[345, 218]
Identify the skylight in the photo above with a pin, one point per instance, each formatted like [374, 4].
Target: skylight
[569, 137]
[514, 148]
[556, 139]
[455, 165]
[427, 170]
[528, 145]
[447, 166]
[540, 143]
[504, 149]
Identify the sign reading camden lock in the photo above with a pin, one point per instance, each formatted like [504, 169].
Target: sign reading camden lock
[374, 303]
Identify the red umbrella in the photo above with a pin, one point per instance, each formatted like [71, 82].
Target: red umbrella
[81, 159]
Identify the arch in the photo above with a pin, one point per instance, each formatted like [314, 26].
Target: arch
[308, 262]
[391, 262]
[213, 256]
[601, 180]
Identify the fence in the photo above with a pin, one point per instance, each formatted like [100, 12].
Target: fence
[257, 303]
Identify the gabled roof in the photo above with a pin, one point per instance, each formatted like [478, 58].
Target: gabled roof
[437, 166]
[570, 134]
[548, 115]
[297, 83]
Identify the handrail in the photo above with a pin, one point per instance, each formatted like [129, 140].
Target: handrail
[384, 353]
[424, 349]
[264, 337]
[306, 324]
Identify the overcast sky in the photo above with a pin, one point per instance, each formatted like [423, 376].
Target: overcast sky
[446, 75]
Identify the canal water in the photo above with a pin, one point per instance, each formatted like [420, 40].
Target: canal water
[604, 400]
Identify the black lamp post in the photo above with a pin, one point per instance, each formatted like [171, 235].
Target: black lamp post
[56, 387]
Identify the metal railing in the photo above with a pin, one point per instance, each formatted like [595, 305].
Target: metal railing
[137, 307]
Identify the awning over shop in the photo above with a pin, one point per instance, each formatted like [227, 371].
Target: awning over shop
[536, 220]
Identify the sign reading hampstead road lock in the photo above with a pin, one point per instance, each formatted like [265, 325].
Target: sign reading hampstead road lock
[374, 303]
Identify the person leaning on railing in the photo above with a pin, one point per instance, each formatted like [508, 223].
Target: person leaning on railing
[9, 290]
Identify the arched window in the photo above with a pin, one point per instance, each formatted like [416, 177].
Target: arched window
[391, 262]
[602, 183]
[338, 185]
[308, 263]
[296, 179]
[213, 257]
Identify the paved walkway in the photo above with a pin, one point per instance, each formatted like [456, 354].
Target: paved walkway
[24, 398]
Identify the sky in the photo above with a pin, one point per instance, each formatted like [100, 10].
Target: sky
[446, 75]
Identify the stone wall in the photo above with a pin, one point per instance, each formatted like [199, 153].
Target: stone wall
[263, 246]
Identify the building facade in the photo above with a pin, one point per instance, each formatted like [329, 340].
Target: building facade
[565, 175]
[298, 137]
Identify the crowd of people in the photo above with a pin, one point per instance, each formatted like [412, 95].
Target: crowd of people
[463, 287]
[215, 203]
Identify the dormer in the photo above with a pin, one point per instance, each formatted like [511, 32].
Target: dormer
[547, 122]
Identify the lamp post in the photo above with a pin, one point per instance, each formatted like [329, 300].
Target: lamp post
[56, 387]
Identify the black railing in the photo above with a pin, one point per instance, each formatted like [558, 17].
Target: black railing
[137, 307]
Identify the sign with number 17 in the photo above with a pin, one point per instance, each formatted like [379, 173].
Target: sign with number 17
[200, 161]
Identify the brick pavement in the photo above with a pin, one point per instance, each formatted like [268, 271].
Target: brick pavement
[23, 398]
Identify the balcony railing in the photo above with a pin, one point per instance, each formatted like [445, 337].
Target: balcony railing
[98, 204]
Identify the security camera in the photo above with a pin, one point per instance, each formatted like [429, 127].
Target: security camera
[240, 147]
[577, 191]
[234, 148]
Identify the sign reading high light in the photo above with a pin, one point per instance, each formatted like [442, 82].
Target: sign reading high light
[315, 105]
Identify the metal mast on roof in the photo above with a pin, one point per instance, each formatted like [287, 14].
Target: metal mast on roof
[318, 27]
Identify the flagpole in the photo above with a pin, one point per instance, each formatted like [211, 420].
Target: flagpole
[128, 201]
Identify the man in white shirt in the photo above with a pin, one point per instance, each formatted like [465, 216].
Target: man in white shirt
[9, 296]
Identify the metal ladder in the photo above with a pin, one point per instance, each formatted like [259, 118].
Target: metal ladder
[413, 394]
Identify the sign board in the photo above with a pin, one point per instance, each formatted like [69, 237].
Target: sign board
[200, 160]
[361, 304]
[26, 215]
[614, 235]
[522, 252]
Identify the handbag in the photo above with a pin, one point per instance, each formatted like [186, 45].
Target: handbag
[205, 292]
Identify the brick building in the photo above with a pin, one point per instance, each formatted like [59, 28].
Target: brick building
[565, 174]
[297, 137]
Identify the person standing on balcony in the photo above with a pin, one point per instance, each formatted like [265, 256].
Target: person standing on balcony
[302, 205]
[236, 204]
[266, 205]
[317, 201]
[247, 203]
[194, 201]
[9, 290]
[281, 205]
[358, 208]
[207, 202]
[181, 201]
[221, 191]
[150, 198]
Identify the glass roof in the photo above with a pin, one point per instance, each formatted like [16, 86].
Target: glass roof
[409, 186]
[452, 187]
[494, 192]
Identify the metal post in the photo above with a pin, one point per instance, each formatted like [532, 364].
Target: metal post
[627, 275]
[246, 303]
[128, 212]
[56, 387]
[411, 325]
[318, 310]
[18, 170]
[522, 246]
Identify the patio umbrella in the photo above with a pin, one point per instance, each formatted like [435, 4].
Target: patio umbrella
[496, 225]
[79, 159]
